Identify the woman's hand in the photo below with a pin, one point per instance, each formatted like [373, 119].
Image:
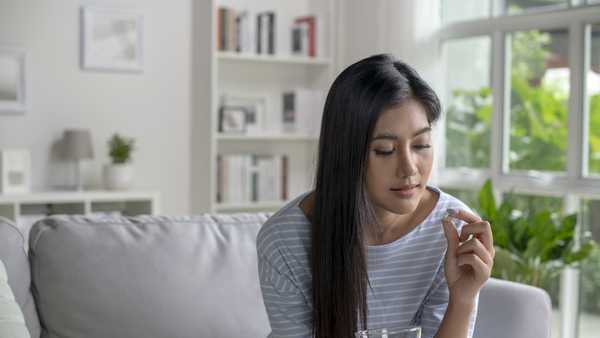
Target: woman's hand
[468, 261]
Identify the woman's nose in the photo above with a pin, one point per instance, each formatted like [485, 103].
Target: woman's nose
[406, 164]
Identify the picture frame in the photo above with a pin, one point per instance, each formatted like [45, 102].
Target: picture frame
[15, 171]
[232, 119]
[255, 107]
[111, 40]
[14, 94]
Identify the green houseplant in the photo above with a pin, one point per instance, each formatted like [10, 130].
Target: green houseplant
[120, 149]
[531, 248]
[118, 175]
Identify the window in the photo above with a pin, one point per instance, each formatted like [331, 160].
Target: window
[469, 197]
[539, 96]
[517, 111]
[593, 93]
[590, 274]
[469, 101]
[518, 6]
[459, 10]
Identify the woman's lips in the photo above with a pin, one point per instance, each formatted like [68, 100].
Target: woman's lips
[406, 191]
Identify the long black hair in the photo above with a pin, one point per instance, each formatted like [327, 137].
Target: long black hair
[342, 209]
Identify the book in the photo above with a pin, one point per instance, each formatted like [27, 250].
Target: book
[307, 26]
[302, 110]
[265, 33]
[242, 26]
[221, 28]
[233, 30]
[244, 178]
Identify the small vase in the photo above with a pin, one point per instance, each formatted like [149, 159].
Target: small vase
[118, 176]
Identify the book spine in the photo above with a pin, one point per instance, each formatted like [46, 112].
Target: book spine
[296, 40]
[254, 179]
[226, 164]
[284, 178]
[259, 29]
[238, 33]
[219, 179]
[311, 23]
[222, 28]
[289, 118]
[231, 30]
[271, 37]
[246, 178]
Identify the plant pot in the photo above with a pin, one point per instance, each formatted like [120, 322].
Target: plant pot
[118, 176]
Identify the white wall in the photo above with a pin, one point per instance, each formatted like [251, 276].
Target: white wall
[153, 107]
[405, 28]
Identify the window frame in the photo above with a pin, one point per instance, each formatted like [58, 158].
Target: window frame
[573, 185]
[576, 179]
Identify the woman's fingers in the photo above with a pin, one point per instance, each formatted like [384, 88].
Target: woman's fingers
[474, 246]
[481, 230]
[482, 270]
[451, 237]
[464, 215]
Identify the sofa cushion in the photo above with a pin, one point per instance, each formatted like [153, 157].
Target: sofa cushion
[12, 323]
[12, 253]
[148, 276]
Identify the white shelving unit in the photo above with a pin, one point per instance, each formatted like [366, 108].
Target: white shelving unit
[266, 137]
[25, 209]
[128, 203]
[251, 75]
[250, 58]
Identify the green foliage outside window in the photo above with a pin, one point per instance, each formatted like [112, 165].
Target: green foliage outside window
[532, 246]
[538, 116]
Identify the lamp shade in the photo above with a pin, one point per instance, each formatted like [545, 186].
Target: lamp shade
[78, 144]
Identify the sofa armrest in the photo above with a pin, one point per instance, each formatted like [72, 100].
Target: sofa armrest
[508, 309]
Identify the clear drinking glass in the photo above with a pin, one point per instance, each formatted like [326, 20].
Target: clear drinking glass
[405, 332]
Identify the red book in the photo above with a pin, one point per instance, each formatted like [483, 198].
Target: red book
[311, 21]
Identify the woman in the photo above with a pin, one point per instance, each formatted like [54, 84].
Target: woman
[371, 247]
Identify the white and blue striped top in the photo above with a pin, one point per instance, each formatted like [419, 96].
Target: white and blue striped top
[408, 286]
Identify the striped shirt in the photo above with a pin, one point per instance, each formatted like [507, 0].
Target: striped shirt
[408, 285]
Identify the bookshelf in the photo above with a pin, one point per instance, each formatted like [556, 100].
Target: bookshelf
[291, 60]
[261, 77]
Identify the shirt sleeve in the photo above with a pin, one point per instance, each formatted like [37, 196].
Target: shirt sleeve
[435, 305]
[289, 313]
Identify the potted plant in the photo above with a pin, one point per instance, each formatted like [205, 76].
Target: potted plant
[118, 175]
[531, 248]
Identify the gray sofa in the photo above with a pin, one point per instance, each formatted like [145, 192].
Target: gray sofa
[184, 277]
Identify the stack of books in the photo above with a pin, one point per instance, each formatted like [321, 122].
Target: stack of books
[244, 32]
[244, 178]
[239, 31]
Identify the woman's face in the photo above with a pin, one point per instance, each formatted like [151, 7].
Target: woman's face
[400, 159]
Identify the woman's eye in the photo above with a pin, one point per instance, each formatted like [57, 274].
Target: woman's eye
[383, 152]
[422, 146]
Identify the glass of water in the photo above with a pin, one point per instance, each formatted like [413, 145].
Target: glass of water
[405, 332]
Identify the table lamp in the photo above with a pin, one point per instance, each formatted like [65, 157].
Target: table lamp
[78, 147]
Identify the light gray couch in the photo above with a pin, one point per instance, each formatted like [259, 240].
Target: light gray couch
[179, 277]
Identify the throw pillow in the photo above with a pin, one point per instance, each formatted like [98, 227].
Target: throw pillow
[12, 323]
